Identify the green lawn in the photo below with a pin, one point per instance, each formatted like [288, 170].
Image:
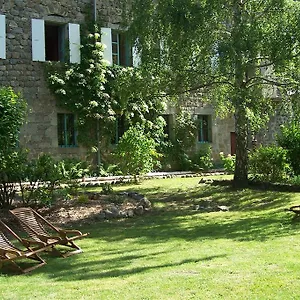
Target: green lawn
[177, 252]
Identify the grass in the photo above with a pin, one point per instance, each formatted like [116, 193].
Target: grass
[177, 252]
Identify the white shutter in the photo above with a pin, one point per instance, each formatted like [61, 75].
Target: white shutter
[38, 39]
[136, 58]
[106, 40]
[74, 43]
[2, 37]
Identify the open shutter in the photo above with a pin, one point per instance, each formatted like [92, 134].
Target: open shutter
[74, 43]
[38, 40]
[2, 37]
[136, 58]
[106, 40]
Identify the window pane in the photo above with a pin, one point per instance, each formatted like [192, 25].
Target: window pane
[60, 129]
[70, 130]
[204, 128]
[66, 130]
[114, 37]
[115, 48]
[115, 59]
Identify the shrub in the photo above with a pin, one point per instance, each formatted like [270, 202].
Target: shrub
[228, 162]
[289, 139]
[136, 151]
[12, 116]
[202, 160]
[44, 174]
[11, 172]
[269, 163]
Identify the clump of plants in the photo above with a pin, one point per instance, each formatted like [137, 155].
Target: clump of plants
[12, 116]
[228, 162]
[269, 163]
[289, 139]
[136, 152]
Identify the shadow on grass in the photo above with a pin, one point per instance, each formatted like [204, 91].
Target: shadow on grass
[115, 267]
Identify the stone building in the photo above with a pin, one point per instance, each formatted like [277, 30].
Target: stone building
[33, 32]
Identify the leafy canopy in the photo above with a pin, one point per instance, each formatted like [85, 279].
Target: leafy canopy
[238, 54]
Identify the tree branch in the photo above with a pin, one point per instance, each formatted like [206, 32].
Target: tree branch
[263, 80]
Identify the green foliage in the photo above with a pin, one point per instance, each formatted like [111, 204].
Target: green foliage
[269, 163]
[179, 153]
[11, 171]
[107, 188]
[12, 116]
[289, 139]
[136, 151]
[43, 175]
[80, 88]
[228, 162]
[83, 198]
[233, 53]
[97, 94]
[202, 160]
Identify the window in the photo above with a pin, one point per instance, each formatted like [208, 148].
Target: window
[49, 41]
[204, 129]
[117, 48]
[121, 52]
[2, 37]
[66, 130]
[121, 126]
[54, 42]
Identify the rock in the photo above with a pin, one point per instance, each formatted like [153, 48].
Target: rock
[135, 196]
[145, 203]
[130, 213]
[139, 210]
[223, 208]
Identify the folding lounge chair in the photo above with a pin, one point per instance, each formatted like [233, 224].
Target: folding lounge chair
[9, 253]
[43, 233]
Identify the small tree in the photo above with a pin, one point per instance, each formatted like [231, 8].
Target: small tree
[136, 152]
[12, 116]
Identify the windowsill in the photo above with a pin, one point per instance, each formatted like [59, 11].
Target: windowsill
[204, 142]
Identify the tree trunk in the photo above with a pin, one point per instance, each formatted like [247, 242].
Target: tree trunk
[239, 99]
[241, 165]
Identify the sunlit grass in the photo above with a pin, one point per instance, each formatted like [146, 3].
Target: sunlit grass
[178, 252]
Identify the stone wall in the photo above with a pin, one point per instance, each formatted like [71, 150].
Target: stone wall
[18, 70]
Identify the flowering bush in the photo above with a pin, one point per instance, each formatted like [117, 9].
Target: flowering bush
[228, 162]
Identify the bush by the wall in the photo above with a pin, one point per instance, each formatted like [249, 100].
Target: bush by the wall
[136, 151]
[269, 163]
[289, 139]
[228, 162]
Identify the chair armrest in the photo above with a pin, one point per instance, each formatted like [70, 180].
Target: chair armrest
[45, 238]
[28, 243]
[64, 232]
[16, 252]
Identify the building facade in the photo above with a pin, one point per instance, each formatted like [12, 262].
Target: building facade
[33, 32]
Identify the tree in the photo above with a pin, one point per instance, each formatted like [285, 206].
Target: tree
[232, 52]
[12, 116]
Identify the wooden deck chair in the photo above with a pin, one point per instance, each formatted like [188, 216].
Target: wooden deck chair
[9, 253]
[43, 233]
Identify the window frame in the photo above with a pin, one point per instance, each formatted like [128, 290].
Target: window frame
[64, 132]
[204, 131]
[39, 42]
